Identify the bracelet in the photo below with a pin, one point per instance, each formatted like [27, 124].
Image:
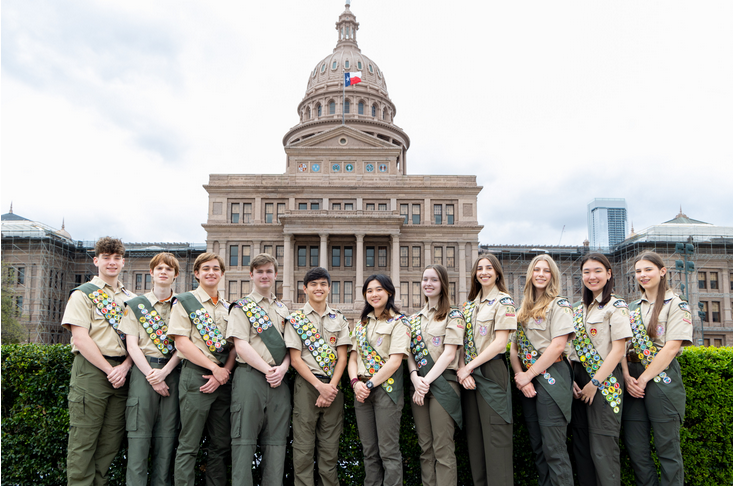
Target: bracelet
[353, 382]
[413, 371]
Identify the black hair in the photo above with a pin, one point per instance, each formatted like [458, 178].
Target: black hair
[607, 289]
[387, 285]
[316, 273]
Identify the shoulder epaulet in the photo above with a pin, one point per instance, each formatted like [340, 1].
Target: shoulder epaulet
[507, 301]
[455, 313]
[563, 302]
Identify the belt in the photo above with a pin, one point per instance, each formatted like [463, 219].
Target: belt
[119, 359]
[157, 360]
[323, 378]
[632, 358]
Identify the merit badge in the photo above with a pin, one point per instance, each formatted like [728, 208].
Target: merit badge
[593, 331]
[436, 341]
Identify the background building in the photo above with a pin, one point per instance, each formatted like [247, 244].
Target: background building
[607, 223]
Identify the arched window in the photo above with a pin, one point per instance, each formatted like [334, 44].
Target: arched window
[334, 65]
[361, 107]
[358, 65]
[331, 107]
[374, 110]
[347, 106]
[318, 109]
[346, 64]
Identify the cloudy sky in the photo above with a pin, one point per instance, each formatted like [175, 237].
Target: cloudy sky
[114, 113]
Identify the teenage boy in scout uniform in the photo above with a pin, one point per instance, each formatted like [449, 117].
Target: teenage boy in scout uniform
[198, 325]
[260, 400]
[98, 389]
[152, 403]
[318, 338]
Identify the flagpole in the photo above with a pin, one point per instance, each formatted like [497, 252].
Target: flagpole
[343, 100]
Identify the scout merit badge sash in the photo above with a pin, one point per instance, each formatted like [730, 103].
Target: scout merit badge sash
[262, 323]
[592, 361]
[154, 325]
[442, 391]
[205, 325]
[554, 385]
[647, 351]
[106, 306]
[499, 400]
[373, 361]
[312, 339]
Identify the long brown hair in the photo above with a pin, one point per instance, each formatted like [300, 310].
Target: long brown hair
[444, 300]
[607, 289]
[531, 306]
[476, 285]
[656, 260]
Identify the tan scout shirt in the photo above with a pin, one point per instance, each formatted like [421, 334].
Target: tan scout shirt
[558, 321]
[131, 326]
[494, 312]
[332, 326]
[241, 328]
[386, 337]
[439, 333]
[181, 325]
[81, 311]
[675, 320]
[605, 324]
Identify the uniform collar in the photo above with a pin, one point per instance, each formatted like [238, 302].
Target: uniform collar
[97, 280]
[425, 312]
[307, 309]
[154, 300]
[493, 294]
[254, 295]
[668, 294]
[202, 296]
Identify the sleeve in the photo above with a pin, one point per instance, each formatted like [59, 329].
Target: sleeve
[344, 339]
[505, 318]
[77, 312]
[239, 325]
[620, 321]
[561, 319]
[455, 328]
[352, 337]
[679, 322]
[180, 324]
[129, 324]
[399, 339]
[292, 338]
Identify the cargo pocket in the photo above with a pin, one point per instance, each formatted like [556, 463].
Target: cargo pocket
[76, 407]
[131, 412]
[236, 417]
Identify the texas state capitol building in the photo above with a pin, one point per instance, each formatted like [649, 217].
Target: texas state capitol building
[345, 201]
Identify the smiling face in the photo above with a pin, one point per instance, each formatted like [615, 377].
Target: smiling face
[163, 275]
[485, 274]
[209, 274]
[317, 291]
[377, 296]
[541, 275]
[109, 265]
[263, 278]
[595, 276]
[649, 275]
[431, 284]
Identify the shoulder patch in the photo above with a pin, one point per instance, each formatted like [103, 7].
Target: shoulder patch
[564, 303]
[507, 301]
[620, 303]
[455, 314]
[685, 306]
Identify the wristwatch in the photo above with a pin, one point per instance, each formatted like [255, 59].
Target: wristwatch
[595, 382]
[369, 385]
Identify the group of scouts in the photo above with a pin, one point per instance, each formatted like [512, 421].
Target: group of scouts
[166, 368]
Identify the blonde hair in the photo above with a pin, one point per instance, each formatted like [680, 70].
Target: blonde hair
[531, 306]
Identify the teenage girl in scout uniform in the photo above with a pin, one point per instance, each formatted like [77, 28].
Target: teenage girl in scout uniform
[655, 396]
[436, 334]
[379, 343]
[602, 328]
[152, 403]
[487, 404]
[541, 371]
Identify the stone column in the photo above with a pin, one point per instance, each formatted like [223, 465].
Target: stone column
[323, 258]
[258, 210]
[462, 292]
[287, 269]
[358, 298]
[396, 267]
[428, 254]
[256, 247]
[474, 253]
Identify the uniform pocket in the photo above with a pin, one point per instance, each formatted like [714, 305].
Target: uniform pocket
[76, 407]
[236, 417]
[540, 325]
[131, 412]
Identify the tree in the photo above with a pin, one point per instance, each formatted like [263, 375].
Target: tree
[12, 329]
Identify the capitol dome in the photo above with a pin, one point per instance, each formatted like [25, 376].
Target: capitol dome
[365, 106]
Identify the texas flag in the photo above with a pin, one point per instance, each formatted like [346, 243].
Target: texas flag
[352, 78]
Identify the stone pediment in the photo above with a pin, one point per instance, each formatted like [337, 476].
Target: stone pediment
[334, 138]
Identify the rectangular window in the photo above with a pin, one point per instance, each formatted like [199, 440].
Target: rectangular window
[301, 294]
[713, 280]
[302, 256]
[347, 106]
[233, 255]
[404, 256]
[245, 288]
[716, 311]
[416, 251]
[438, 213]
[449, 213]
[235, 213]
[148, 281]
[78, 279]
[705, 311]
[336, 292]
[315, 206]
[268, 212]
[246, 212]
[19, 305]
[335, 256]
[280, 210]
[138, 281]
[314, 256]
[348, 292]
[415, 214]
[382, 256]
[348, 253]
[452, 286]
[279, 254]
[450, 256]
[702, 280]
[348, 206]
[268, 250]
[279, 289]
[369, 256]
[302, 206]
[405, 293]
[233, 287]
[370, 207]
[404, 211]
[382, 206]
[336, 206]
[731, 281]
[416, 295]
[246, 255]
[438, 255]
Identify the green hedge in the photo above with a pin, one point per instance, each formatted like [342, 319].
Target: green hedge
[35, 382]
